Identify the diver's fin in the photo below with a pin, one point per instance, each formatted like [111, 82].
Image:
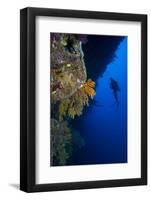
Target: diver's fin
[115, 103]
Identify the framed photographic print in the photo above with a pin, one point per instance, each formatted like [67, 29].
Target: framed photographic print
[83, 99]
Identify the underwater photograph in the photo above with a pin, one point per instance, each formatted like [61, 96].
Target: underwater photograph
[88, 99]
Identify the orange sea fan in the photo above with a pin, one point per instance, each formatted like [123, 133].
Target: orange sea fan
[87, 88]
[90, 83]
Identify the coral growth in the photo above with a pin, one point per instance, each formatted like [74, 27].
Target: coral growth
[70, 92]
[74, 105]
[87, 88]
[67, 66]
[61, 140]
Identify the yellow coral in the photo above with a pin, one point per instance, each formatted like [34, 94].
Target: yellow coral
[66, 79]
[63, 108]
[74, 105]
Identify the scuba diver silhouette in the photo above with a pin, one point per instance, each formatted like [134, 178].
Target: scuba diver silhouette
[115, 89]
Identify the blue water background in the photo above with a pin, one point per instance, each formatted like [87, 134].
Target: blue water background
[103, 124]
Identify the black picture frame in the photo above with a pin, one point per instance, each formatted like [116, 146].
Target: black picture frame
[28, 98]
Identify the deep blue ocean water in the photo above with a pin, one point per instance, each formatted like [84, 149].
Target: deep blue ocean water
[103, 125]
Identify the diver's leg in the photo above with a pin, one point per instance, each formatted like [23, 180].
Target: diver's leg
[116, 97]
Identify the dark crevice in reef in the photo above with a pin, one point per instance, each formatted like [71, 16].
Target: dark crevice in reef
[98, 53]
